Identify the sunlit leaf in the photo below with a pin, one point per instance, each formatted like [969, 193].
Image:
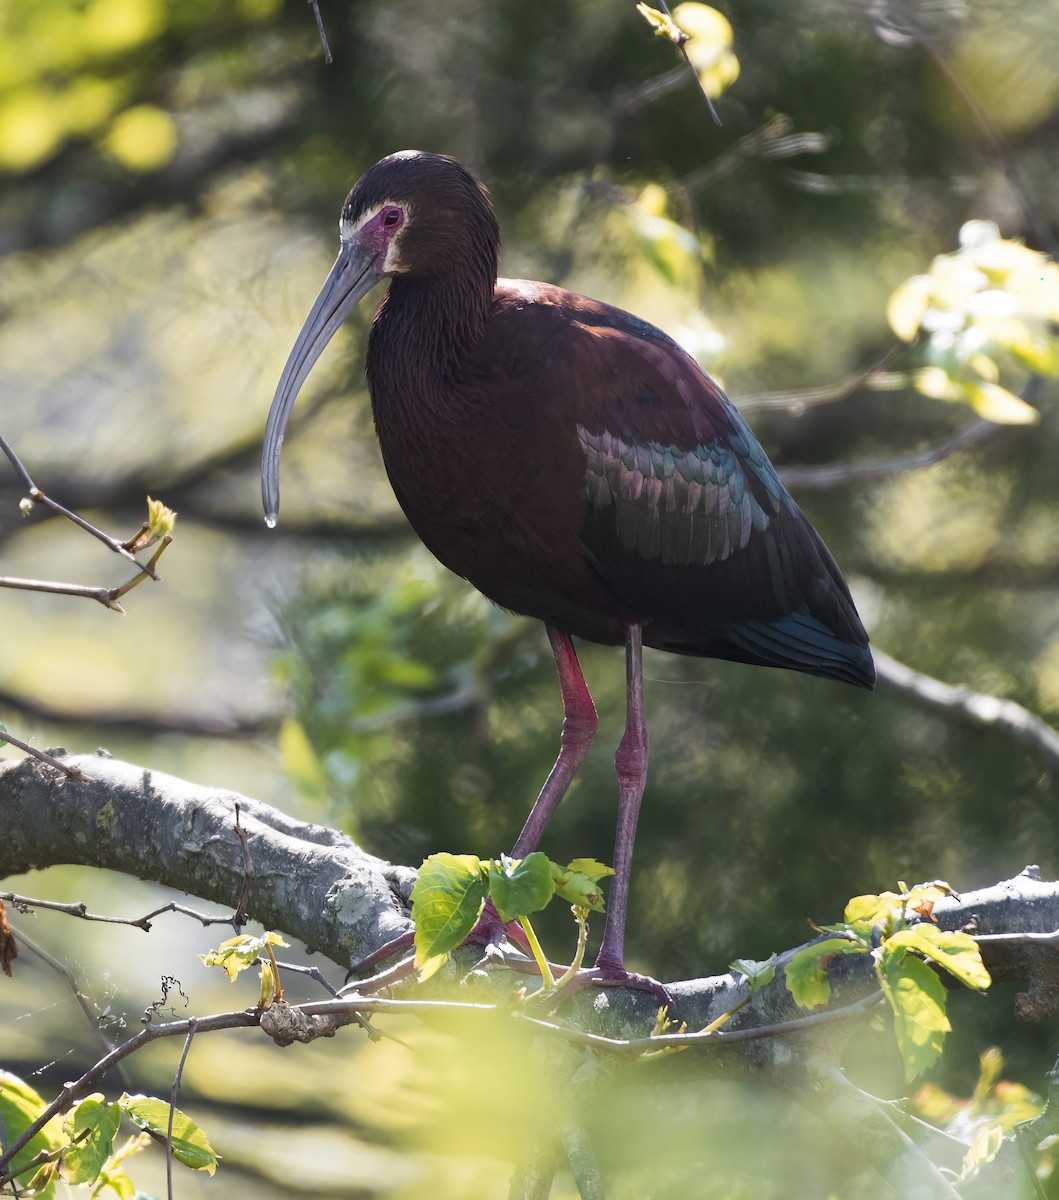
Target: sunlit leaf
[191, 1146]
[917, 997]
[990, 306]
[957, 952]
[709, 46]
[446, 900]
[806, 973]
[91, 1126]
[519, 888]
[160, 519]
[757, 973]
[238, 953]
[593, 868]
[670, 248]
[886, 908]
[578, 882]
[20, 1106]
[985, 1146]
[996, 403]
[907, 306]
[662, 24]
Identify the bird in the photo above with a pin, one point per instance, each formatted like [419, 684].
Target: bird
[574, 464]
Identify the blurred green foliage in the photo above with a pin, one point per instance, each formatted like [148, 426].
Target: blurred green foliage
[174, 173]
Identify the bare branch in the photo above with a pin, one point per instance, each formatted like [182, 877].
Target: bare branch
[78, 909]
[875, 470]
[36, 496]
[44, 757]
[174, 1093]
[797, 401]
[315, 5]
[963, 703]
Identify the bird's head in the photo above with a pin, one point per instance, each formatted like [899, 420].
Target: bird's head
[412, 215]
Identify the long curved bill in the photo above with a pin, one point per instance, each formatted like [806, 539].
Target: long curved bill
[353, 275]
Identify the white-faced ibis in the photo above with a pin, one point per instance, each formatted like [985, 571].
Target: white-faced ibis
[574, 464]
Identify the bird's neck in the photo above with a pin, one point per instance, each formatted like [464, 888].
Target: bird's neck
[423, 333]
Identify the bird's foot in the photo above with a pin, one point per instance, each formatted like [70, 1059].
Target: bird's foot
[614, 975]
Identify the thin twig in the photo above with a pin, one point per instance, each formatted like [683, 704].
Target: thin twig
[36, 496]
[108, 597]
[673, 33]
[874, 470]
[174, 1093]
[79, 910]
[104, 596]
[645, 1047]
[797, 400]
[315, 5]
[44, 757]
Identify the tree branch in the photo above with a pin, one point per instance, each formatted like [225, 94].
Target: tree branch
[310, 881]
[978, 708]
[317, 885]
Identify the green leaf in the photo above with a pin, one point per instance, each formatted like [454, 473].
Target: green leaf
[757, 974]
[446, 900]
[957, 952]
[578, 883]
[160, 519]
[917, 998]
[996, 403]
[908, 306]
[1041, 357]
[238, 953]
[91, 1126]
[519, 888]
[806, 973]
[887, 908]
[985, 1146]
[191, 1146]
[20, 1106]
[662, 24]
[591, 867]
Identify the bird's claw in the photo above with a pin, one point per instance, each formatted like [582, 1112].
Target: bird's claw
[612, 976]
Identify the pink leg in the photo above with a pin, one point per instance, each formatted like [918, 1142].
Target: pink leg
[580, 723]
[631, 764]
[579, 728]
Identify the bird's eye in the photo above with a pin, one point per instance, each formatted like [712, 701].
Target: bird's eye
[392, 217]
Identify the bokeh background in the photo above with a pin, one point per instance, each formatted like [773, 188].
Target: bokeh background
[172, 178]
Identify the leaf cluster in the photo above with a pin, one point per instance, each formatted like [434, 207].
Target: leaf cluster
[79, 1148]
[992, 304]
[908, 950]
[452, 889]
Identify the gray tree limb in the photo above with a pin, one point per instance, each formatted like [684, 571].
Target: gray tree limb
[310, 881]
[318, 886]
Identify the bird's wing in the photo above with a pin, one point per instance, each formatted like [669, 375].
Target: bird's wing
[686, 517]
[666, 453]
